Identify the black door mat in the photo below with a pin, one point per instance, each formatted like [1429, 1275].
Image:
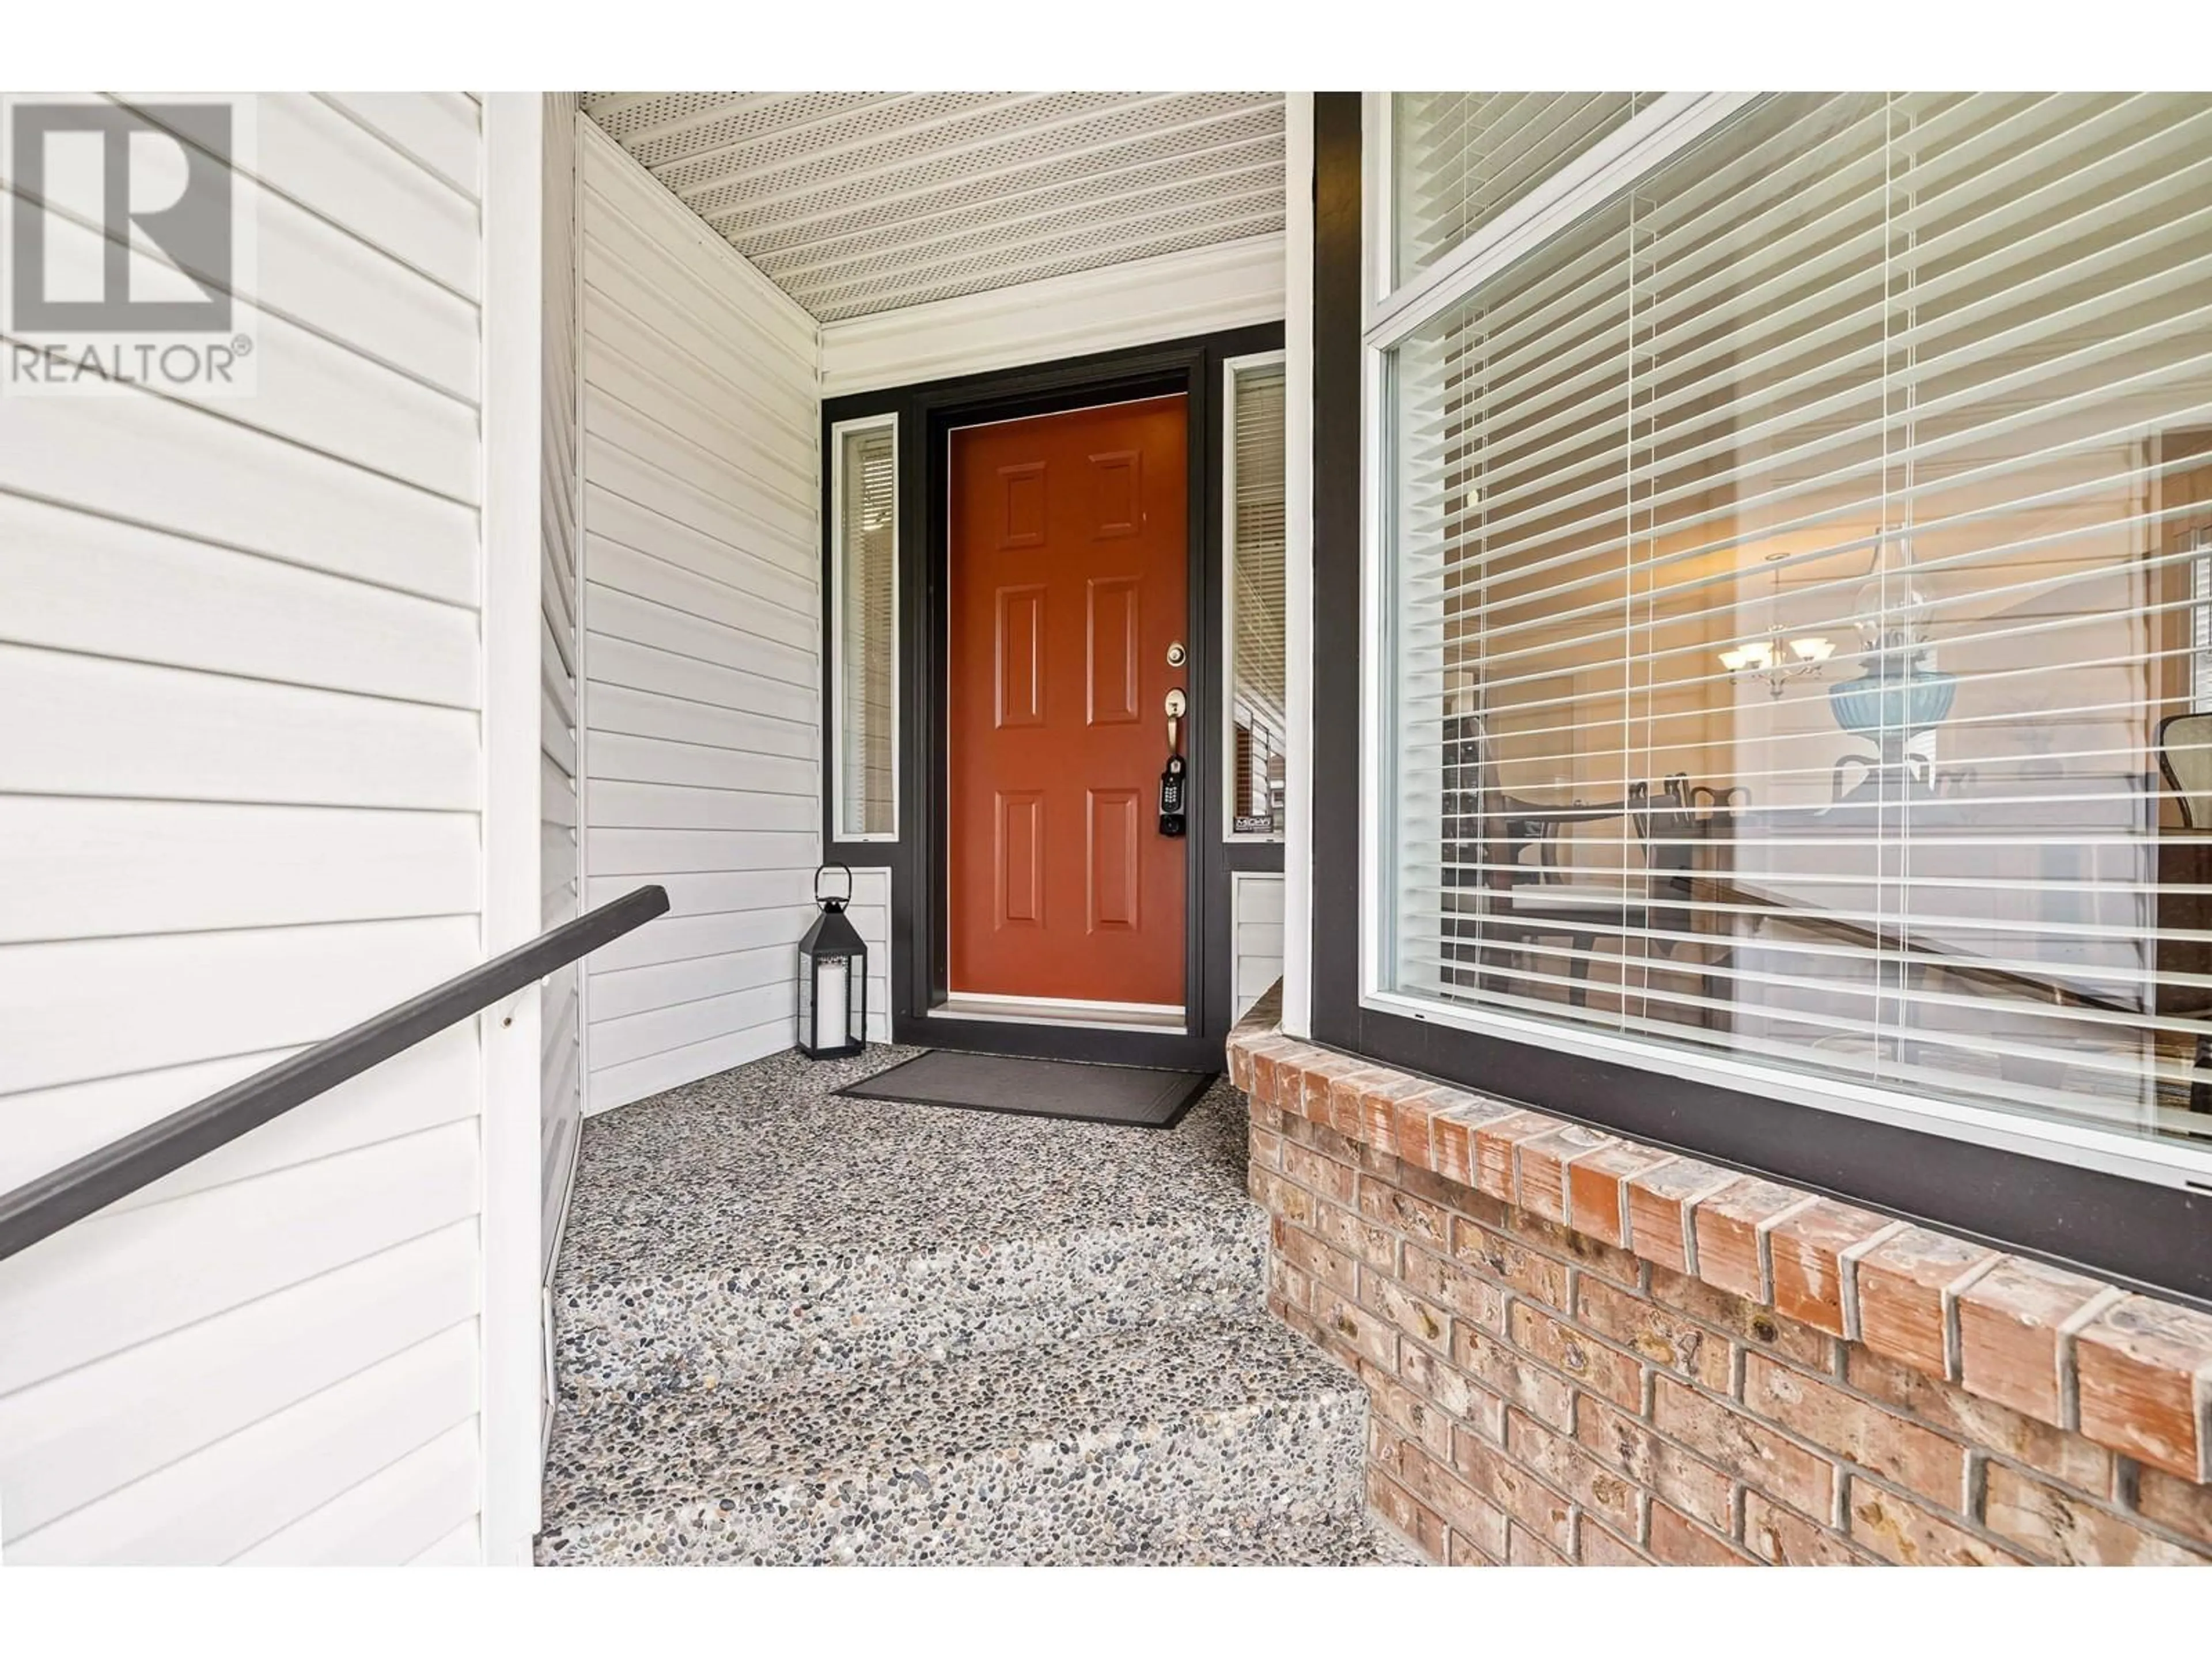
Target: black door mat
[1135, 1096]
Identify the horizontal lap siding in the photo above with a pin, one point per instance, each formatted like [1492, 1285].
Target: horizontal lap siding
[559, 869]
[1257, 922]
[702, 612]
[240, 788]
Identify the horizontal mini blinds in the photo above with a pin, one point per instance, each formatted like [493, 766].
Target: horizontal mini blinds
[1461, 158]
[1905, 403]
[1256, 703]
[867, 585]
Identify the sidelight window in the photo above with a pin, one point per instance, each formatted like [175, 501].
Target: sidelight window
[864, 600]
[1252, 509]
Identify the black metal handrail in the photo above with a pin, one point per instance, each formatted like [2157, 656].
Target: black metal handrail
[45, 1206]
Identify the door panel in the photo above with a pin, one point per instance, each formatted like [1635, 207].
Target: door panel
[1069, 580]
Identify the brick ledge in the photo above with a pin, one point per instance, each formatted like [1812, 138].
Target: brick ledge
[2130, 1372]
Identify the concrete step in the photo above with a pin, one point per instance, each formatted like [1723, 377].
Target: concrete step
[1221, 1439]
[632, 1332]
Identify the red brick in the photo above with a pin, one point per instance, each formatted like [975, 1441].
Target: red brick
[1322, 1177]
[1451, 1390]
[1334, 1096]
[1468, 1295]
[1678, 1541]
[1748, 1450]
[1983, 1423]
[2145, 1371]
[1512, 1488]
[1351, 1329]
[1542, 1167]
[2055, 1525]
[1447, 1195]
[1898, 1529]
[1277, 1061]
[1596, 1547]
[1240, 1066]
[1524, 1548]
[1728, 1225]
[1905, 1287]
[1666, 1338]
[1378, 1164]
[1501, 1371]
[1287, 1283]
[1355, 1236]
[1358, 1115]
[1413, 1519]
[1465, 1554]
[1421, 1222]
[1738, 1318]
[1789, 1539]
[1511, 1263]
[1917, 1459]
[1595, 1192]
[1278, 1196]
[1269, 1118]
[1415, 1419]
[1603, 1370]
[1617, 1265]
[1466, 1512]
[1331, 1091]
[1495, 1143]
[1660, 1201]
[1424, 1322]
[2184, 1505]
[1264, 1147]
[1452, 1127]
[1659, 1467]
[1316, 1261]
[1409, 1129]
[1804, 1248]
[2012, 1342]
[1562, 1465]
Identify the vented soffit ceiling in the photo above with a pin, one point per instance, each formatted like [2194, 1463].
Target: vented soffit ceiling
[860, 202]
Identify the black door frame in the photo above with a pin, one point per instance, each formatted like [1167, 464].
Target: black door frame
[927, 415]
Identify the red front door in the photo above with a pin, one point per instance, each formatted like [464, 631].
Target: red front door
[1069, 572]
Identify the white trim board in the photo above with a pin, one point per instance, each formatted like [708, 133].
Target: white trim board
[1228, 285]
[1298, 566]
[512, 1202]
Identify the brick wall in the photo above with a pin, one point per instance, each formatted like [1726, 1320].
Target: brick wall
[1580, 1350]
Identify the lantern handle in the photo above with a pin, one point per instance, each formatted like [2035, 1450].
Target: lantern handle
[842, 903]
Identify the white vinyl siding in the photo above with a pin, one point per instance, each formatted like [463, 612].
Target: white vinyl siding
[560, 1023]
[703, 613]
[1255, 920]
[240, 789]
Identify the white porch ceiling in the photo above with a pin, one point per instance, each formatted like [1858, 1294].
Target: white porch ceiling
[860, 202]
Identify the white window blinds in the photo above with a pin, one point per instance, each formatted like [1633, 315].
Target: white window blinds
[1254, 484]
[1461, 158]
[867, 658]
[1791, 568]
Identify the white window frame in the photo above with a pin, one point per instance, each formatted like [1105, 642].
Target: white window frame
[836, 634]
[1646, 141]
[1230, 369]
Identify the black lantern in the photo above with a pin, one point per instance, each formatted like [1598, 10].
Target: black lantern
[833, 979]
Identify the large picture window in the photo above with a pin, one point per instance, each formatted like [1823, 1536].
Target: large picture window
[1791, 559]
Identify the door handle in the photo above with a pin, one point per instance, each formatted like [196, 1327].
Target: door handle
[1177, 704]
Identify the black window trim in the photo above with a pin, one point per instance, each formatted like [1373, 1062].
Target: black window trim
[2146, 1235]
